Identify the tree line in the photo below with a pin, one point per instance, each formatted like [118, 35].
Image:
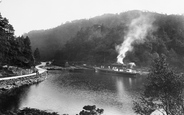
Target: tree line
[15, 51]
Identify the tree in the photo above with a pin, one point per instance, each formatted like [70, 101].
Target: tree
[37, 55]
[14, 51]
[6, 37]
[91, 110]
[163, 90]
[27, 51]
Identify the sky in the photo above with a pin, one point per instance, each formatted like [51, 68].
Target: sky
[27, 15]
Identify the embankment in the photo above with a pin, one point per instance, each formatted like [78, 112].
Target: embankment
[17, 81]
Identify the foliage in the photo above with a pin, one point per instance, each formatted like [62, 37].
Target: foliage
[28, 111]
[35, 112]
[14, 50]
[37, 55]
[88, 110]
[91, 110]
[164, 89]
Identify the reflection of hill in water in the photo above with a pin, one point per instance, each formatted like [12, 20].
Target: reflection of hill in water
[11, 100]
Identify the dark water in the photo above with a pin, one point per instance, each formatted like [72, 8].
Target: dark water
[65, 92]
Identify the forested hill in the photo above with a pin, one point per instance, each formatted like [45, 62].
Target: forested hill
[50, 40]
[94, 40]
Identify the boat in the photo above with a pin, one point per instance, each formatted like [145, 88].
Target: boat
[125, 73]
[118, 69]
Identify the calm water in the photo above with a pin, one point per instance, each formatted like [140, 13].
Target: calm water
[65, 92]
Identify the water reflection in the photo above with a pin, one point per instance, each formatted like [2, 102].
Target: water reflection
[120, 88]
[11, 100]
[130, 81]
[65, 92]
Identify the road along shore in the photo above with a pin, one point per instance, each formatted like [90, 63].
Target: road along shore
[17, 81]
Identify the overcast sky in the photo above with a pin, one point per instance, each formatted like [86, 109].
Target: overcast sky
[27, 15]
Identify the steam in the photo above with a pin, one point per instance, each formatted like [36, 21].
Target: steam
[138, 29]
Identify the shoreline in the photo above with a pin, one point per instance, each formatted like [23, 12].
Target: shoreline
[9, 83]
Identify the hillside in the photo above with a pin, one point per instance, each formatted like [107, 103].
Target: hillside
[50, 40]
[95, 40]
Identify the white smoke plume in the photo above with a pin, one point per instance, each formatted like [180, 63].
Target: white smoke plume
[138, 29]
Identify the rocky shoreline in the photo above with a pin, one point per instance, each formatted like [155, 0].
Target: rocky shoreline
[18, 81]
